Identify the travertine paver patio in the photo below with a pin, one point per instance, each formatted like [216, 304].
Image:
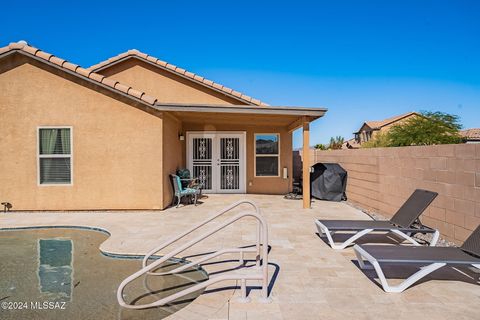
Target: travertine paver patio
[311, 281]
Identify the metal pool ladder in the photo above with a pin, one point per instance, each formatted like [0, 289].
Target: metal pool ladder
[259, 272]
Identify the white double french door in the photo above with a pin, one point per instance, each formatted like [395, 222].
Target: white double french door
[217, 159]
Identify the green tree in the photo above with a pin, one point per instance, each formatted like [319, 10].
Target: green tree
[427, 129]
[336, 143]
[381, 140]
[321, 146]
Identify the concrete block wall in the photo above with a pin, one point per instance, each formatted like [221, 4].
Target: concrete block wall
[381, 179]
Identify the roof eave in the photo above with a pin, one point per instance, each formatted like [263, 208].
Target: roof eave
[242, 109]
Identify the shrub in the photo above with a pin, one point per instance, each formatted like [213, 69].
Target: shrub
[427, 129]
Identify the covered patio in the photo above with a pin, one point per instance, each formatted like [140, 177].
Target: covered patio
[204, 131]
[308, 280]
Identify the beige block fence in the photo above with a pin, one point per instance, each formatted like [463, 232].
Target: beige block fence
[381, 179]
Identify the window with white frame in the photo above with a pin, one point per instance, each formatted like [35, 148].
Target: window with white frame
[267, 154]
[55, 155]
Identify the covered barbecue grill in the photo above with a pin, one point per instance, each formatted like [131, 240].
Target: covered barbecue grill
[329, 181]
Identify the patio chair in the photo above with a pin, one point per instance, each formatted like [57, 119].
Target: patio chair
[404, 223]
[188, 181]
[181, 192]
[432, 258]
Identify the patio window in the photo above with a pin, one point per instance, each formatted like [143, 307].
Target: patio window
[267, 151]
[55, 156]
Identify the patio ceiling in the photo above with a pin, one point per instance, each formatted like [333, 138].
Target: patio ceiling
[221, 118]
[291, 117]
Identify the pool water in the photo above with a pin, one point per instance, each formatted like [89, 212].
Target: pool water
[61, 274]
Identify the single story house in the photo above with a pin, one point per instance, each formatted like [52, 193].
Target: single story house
[107, 137]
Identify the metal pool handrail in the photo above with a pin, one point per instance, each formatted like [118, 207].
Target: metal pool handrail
[201, 224]
[256, 273]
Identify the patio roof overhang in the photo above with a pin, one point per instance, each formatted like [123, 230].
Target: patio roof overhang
[289, 117]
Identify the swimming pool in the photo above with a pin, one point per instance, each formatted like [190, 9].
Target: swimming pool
[60, 273]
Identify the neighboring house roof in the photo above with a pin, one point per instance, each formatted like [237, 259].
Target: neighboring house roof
[471, 134]
[376, 125]
[71, 68]
[178, 71]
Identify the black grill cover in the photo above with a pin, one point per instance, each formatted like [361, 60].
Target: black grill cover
[329, 181]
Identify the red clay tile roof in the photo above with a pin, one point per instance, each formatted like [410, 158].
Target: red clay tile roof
[382, 123]
[79, 71]
[182, 72]
[471, 134]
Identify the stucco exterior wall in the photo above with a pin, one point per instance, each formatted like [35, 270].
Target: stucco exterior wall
[171, 88]
[163, 85]
[117, 148]
[381, 179]
[260, 185]
[172, 155]
[122, 154]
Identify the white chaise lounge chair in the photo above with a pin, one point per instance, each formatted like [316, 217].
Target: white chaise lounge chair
[404, 223]
[431, 258]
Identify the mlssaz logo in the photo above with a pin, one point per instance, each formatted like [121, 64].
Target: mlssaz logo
[47, 305]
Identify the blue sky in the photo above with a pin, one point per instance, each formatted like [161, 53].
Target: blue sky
[363, 60]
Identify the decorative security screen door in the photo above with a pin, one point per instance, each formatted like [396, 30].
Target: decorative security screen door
[200, 148]
[218, 160]
[230, 162]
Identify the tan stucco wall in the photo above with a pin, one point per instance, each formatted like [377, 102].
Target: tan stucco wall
[122, 156]
[163, 85]
[117, 149]
[172, 155]
[263, 185]
[173, 89]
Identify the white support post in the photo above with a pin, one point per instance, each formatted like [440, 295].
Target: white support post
[259, 236]
[243, 292]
